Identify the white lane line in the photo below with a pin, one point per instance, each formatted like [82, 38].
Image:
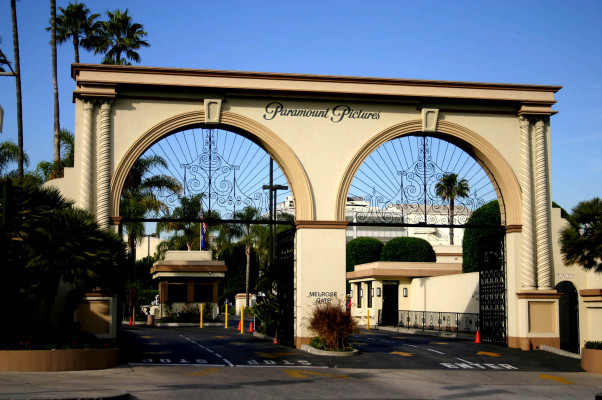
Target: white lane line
[435, 351]
[280, 366]
[175, 365]
[228, 363]
[411, 345]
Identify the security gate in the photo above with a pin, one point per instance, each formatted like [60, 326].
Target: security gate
[423, 186]
[285, 264]
[492, 290]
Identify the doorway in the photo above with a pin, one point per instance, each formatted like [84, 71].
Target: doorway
[390, 303]
[568, 316]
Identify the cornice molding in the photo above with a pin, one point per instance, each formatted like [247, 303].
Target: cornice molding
[304, 224]
[539, 294]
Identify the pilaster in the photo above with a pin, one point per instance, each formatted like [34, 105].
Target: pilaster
[320, 273]
[85, 194]
[103, 162]
[542, 206]
[528, 268]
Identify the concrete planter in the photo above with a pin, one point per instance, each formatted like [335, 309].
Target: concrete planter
[591, 360]
[57, 360]
[313, 350]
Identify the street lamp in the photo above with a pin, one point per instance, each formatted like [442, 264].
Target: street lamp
[273, 216]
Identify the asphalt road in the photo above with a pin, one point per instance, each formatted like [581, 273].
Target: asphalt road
[218, 363]
[218, 346]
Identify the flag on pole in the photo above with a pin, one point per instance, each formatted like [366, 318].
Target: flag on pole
[203, 231]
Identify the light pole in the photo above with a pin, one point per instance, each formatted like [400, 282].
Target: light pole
[273, 216]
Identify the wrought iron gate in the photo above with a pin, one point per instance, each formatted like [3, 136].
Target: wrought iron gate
[285, 264]
[492, 290]
[425, 186]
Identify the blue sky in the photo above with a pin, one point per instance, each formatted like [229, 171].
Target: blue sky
[534, 42]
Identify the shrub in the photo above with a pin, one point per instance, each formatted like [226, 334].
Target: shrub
[410, 249]
[333, 323]
[479, 240]
[593, 345]
[363, 250]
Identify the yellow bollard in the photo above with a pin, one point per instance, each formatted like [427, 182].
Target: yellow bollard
[368, 322]
[242, 319]
[226, 316]
[201, 316]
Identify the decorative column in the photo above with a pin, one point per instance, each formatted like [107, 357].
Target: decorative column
[528, 268]
[85, 192]
[542, 206]
[103, 166]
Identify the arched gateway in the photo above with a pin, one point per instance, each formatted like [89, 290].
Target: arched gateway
[319, 130]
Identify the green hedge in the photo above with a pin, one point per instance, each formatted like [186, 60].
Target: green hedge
[477, 241]
[363, 250]
[410, 249]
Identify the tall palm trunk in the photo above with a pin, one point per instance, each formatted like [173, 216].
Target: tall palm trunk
[13, 12]
[57, 128]
[451, 221]
[248, 253]
[76, 48]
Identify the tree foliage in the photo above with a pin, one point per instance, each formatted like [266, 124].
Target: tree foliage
[120, 36]
[478, 240]
[581, 244]
[449, 188]
[76, 23]
[363, 250]
[55, 253]
[235, 257]
[410, 249]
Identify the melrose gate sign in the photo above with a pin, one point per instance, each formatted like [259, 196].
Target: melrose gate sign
[319, 131]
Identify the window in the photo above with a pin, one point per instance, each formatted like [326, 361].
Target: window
[177, 292]
[203, 292]
[370, 294]
[359, 295]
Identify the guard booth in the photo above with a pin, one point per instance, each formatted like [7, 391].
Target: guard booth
[187, 279]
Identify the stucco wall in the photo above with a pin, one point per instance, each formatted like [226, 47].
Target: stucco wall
[452, 293]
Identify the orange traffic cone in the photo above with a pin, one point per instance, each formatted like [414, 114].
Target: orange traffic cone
[239, 322]
[131, 321]
[250, 327]
[478, 338]
[276, 339]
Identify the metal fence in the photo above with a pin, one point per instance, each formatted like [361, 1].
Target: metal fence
[436, 321]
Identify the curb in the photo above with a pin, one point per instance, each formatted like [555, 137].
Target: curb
[413, 331]
[558, 351]
[312, 350]
[98, 395]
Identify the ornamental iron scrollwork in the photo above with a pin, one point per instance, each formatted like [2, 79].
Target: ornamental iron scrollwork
[227, 170]
[397, 184]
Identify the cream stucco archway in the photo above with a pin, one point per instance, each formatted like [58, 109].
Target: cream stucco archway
[320, 129]
[267, 139]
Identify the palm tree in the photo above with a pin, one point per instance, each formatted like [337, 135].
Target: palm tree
[188, 231]
[76, 23]
[248, 235]
[582, 244]
[67, 139]
[120, 35]
[9, 153]
[139, 195]
[55, 86]
[17, 72]
[449, 188]
[54, 245]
